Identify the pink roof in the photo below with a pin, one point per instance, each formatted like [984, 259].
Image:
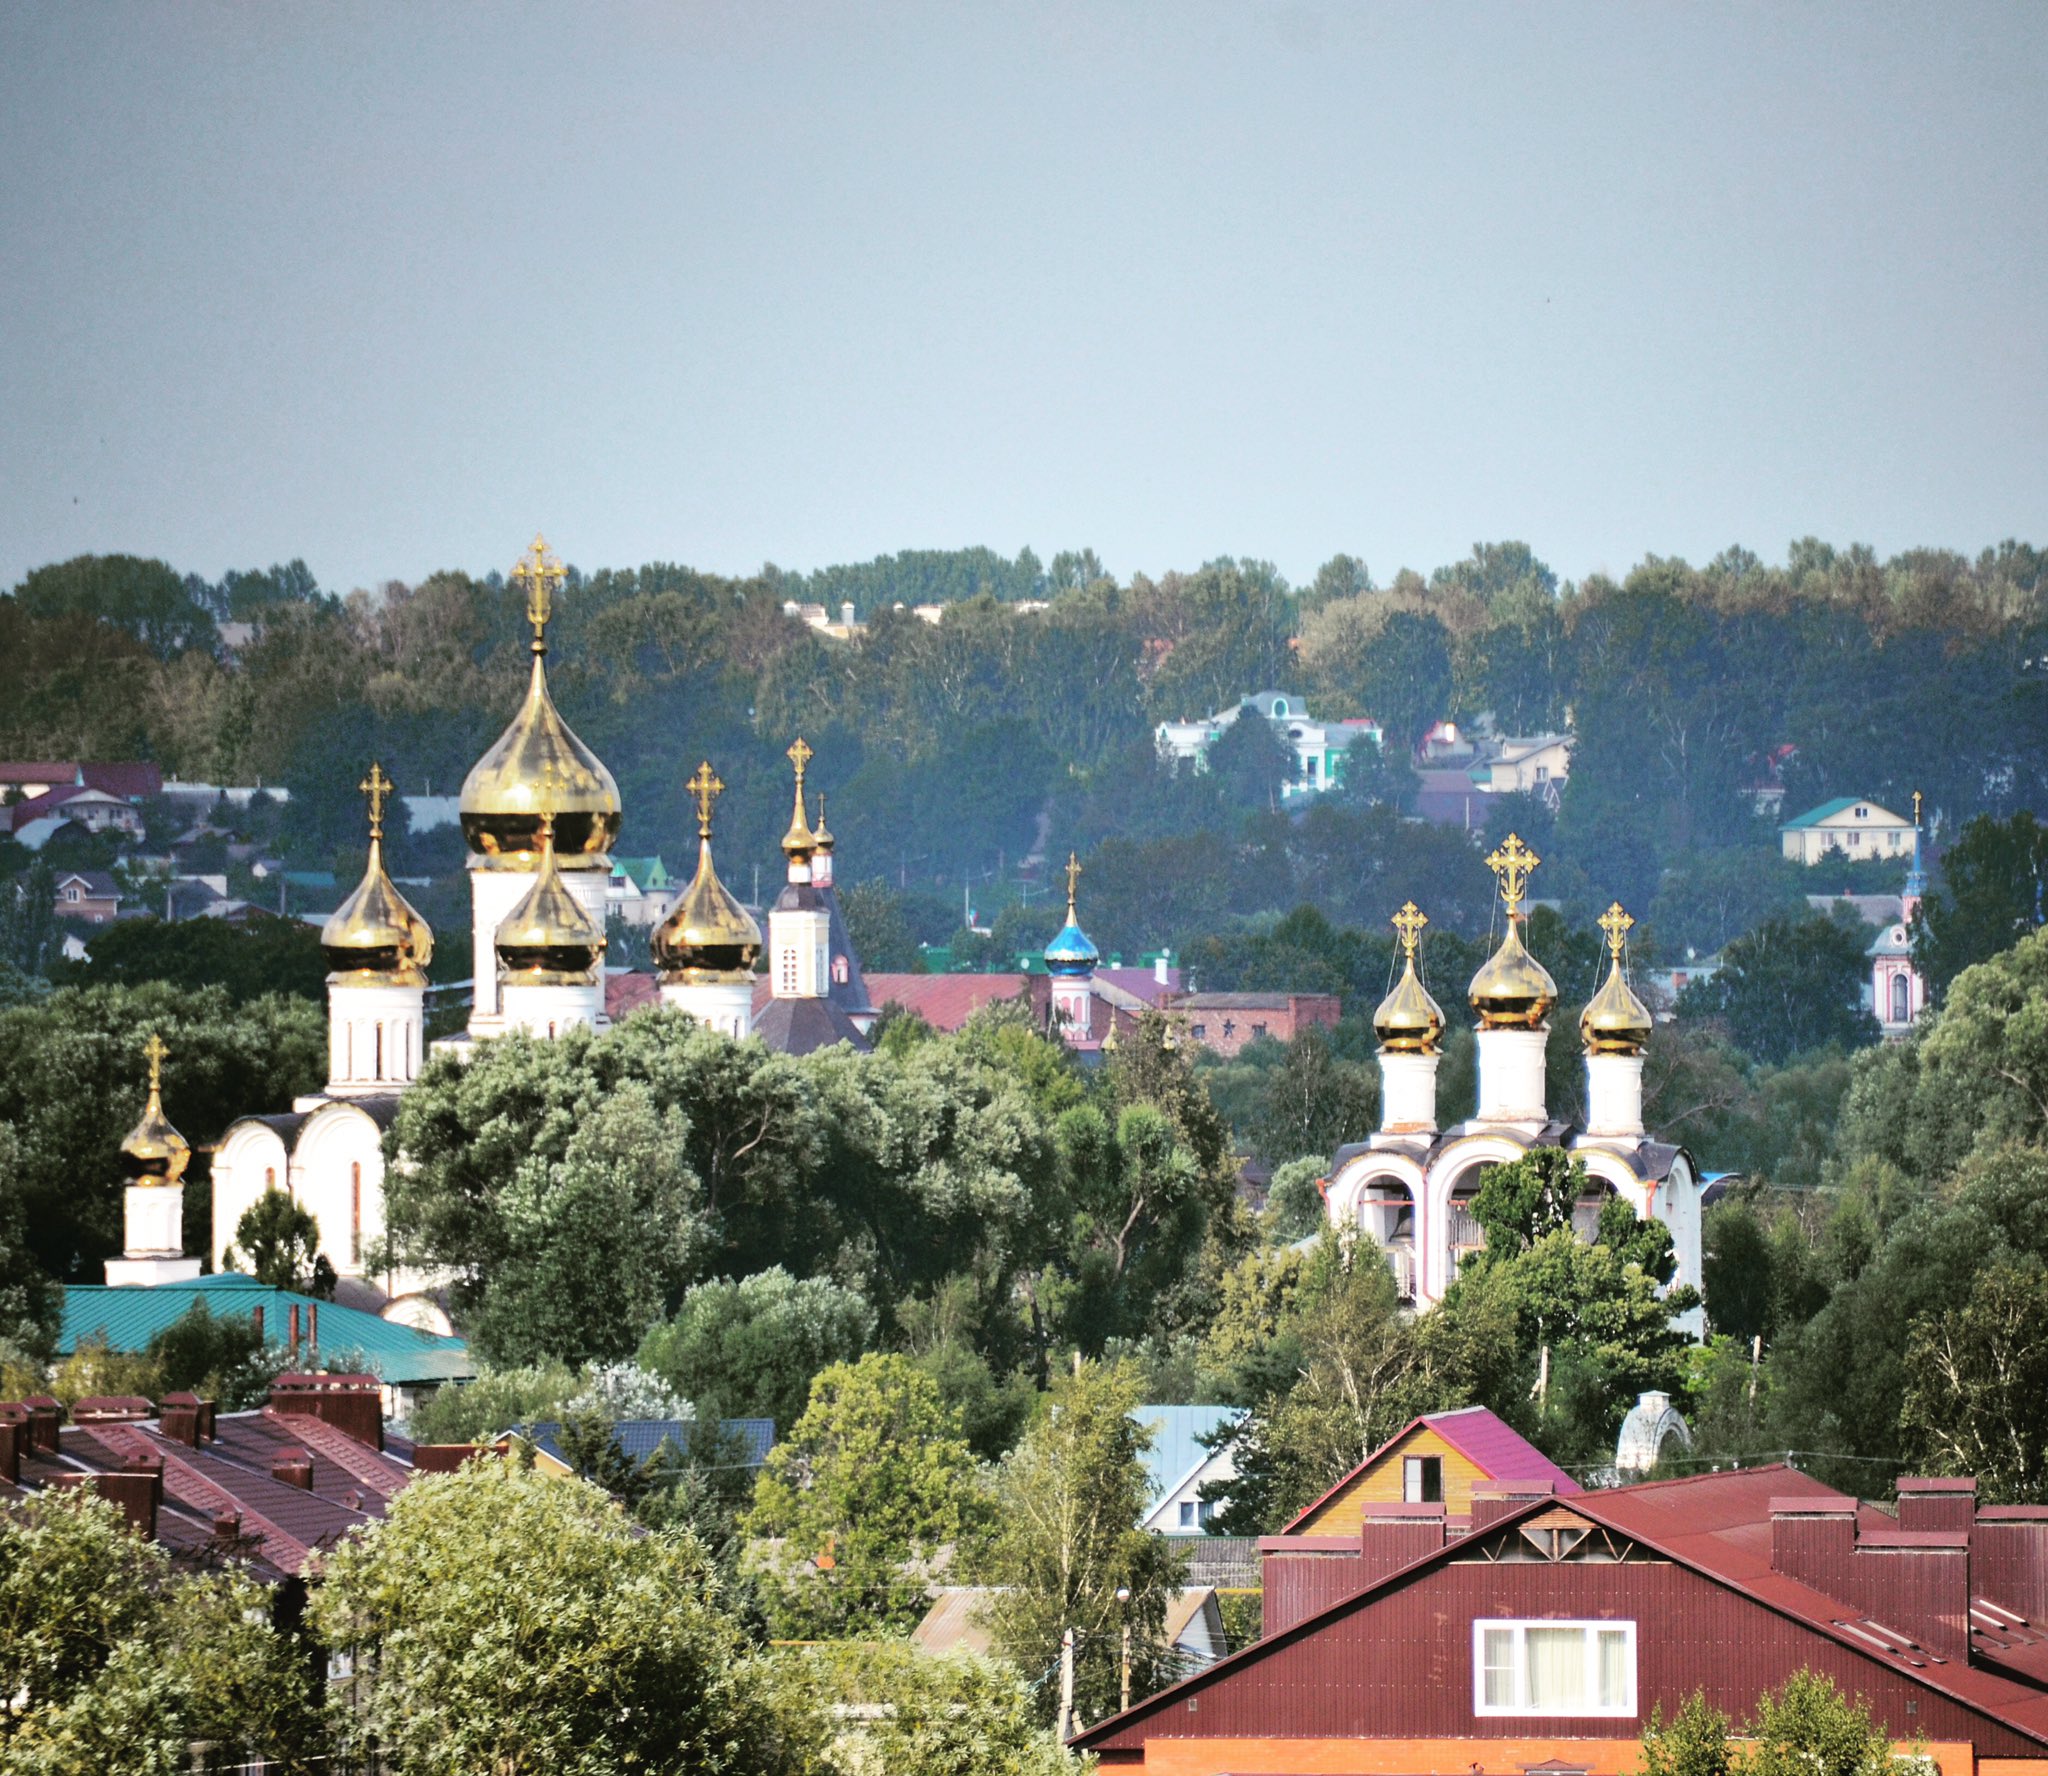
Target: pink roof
[945, 1001]
[624, 993]
[1141, 983]
[1485, 1439]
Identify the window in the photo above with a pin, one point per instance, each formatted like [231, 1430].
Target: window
[1902, 1012]
[1862, 813]
[841, 973]
[1258, 1030]
[788, 970]
[1199, 1031]
[1554, 1668]
[1279, 708]
[1422, 1479]
[377, 1049]
[1542, 773]
[355, 1211]
[1187, 1513]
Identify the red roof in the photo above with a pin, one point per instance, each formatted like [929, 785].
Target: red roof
[628, 992]
[945, 1001]
[1485, 1439]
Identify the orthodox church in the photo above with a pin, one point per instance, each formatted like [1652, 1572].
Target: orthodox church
[1898, 990]
[1409, 1186]
[539, 814]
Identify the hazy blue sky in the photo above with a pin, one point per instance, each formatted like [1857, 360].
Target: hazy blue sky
[388, 287]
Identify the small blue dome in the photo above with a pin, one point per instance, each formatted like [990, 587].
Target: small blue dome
[1071, 952]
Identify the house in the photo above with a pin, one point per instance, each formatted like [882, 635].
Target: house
[410, 1363]
[91, 895]
[1179, 1463]
[1536, 766]
[1320, 748]
[271, 1488]
[1544, 1638]
[1224, 1023]
[128, 780]
[641, 891]
[1431, 1468]
[953, 1624]
[95, 810]
[1849, 828]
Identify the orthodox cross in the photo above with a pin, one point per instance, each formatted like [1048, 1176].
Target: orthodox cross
[1512, 864]
[1409, 922]
[1616, 924]
[540, 573]
[706, 788]
[1073, 880]
[376, 786]
[800, 755]
[1916, 808]
[154, 1051]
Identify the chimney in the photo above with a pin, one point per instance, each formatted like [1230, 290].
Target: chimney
[1390, 1535]
[13, 1436]
[1505, 1497]
[846, 614]
[2009, 1558]
[292, 1338]
[1162, 965]
[209, 1421]
[294, 1467]
[1937, 1504]
[313, 1327]
[227, 1527]
[1915, 1583]
[256, 1320]
[351, 1403]
[446, 1458]
[136, 1491]
[112, 1409]
[178, 1419]
[44, 1416]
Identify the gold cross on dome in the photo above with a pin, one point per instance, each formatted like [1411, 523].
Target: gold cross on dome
[706, 789]
[1617, 925]
[1916, 807]
[1073, 878]
[1409, 922]
[1513, 864]
[376, 786]
[800, 755]
[540, 573]
[153, 1051]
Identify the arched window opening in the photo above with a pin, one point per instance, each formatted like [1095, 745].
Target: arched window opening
[355, 1211]
[1902, 999]
[1386, 1215]
[377, 1051]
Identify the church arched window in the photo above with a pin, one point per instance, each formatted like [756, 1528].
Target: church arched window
[840, 972]
[377, 1050]
[355, 1211]
[1902, 999]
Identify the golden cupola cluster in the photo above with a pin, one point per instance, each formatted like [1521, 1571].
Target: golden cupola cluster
[537, 756]
[156, 1152]
[708, 935]
[1615, 1021]
[548, 940]
[375, 935]
[1512, 991]
[1409, 1021]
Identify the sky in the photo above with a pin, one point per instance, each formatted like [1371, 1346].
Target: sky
[391, 287]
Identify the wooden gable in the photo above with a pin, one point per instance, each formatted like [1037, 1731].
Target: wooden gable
[1381, 1482]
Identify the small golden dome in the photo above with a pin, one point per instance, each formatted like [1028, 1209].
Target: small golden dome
[1409, 1021]
[539, 759]
[820, 837]
[1615, 1021]
[1513, 991]
[158, 1153]
[548, 940]
[708, 932]
[799, 842]
[375, 934]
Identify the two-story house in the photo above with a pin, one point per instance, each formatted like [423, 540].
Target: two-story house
[1846, 827]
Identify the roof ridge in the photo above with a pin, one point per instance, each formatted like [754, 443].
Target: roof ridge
[211, 1495]
[357, 1459]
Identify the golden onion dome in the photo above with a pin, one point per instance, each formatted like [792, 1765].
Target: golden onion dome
[1513, 991]
[1615, 1021]
[820, 837]
[799, 842]
[157, 1153]
[539, 759]
[708, 932]
[1409, 1021]
[375, 934]
[548, 939]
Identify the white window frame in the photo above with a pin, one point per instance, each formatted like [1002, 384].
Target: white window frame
[1520, 1626]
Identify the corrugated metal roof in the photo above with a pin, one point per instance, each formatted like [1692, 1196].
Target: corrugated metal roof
[945, 1001]
[129, 1317]
[1177, 1450]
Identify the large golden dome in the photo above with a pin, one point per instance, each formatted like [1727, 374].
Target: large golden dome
[1409, 1021]
[538, 759]
[1615, 1021]
[1513, 991]
[157, 1153]
[375, 934]
[707, 933]
[548, 940]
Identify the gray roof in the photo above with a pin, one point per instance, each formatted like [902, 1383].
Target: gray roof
[802, 1026]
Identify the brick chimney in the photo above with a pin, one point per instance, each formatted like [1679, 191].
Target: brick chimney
[136, 1491]
[112, 1409]
[351, 1403]
[1914, 1582]
[2009, 1558]
[178, 1419]
[1937, 1504]
[13, 1443]
[294, 1467]
[1491, 1503]
[45, 1416]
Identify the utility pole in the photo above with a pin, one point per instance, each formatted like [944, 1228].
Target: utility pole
[1123, 1599]
[1066, 1724]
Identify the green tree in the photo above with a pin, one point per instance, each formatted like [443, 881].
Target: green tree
[223, 1358]
[1294, 1201]
[278, 1242]
[1406, 682]
[1067, 1502]
[264, 956]
[147, 599]
[873, 1481]
[1987, 898]
[31, 1302]
[1314, 1102]
[111, 1662]
[1694, 1743]
[495, 1401]
[1977, 1398]
[1788, 987]
[1251, 761]
[907, 1713]
[31, 940]
[1807, 1727]
[556, 1636]
[880, 932]
[749, 1349]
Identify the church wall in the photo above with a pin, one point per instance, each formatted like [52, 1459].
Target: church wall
[251, 1158]
[338, 1179]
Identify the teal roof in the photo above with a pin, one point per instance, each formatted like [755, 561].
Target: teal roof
[1826, 811]
[1177, 1448]
[644, 872]
[311, 878]
[130, 1316]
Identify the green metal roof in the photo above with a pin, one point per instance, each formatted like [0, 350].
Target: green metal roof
[130, 1316]
[644, 872]
[1826, 811]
